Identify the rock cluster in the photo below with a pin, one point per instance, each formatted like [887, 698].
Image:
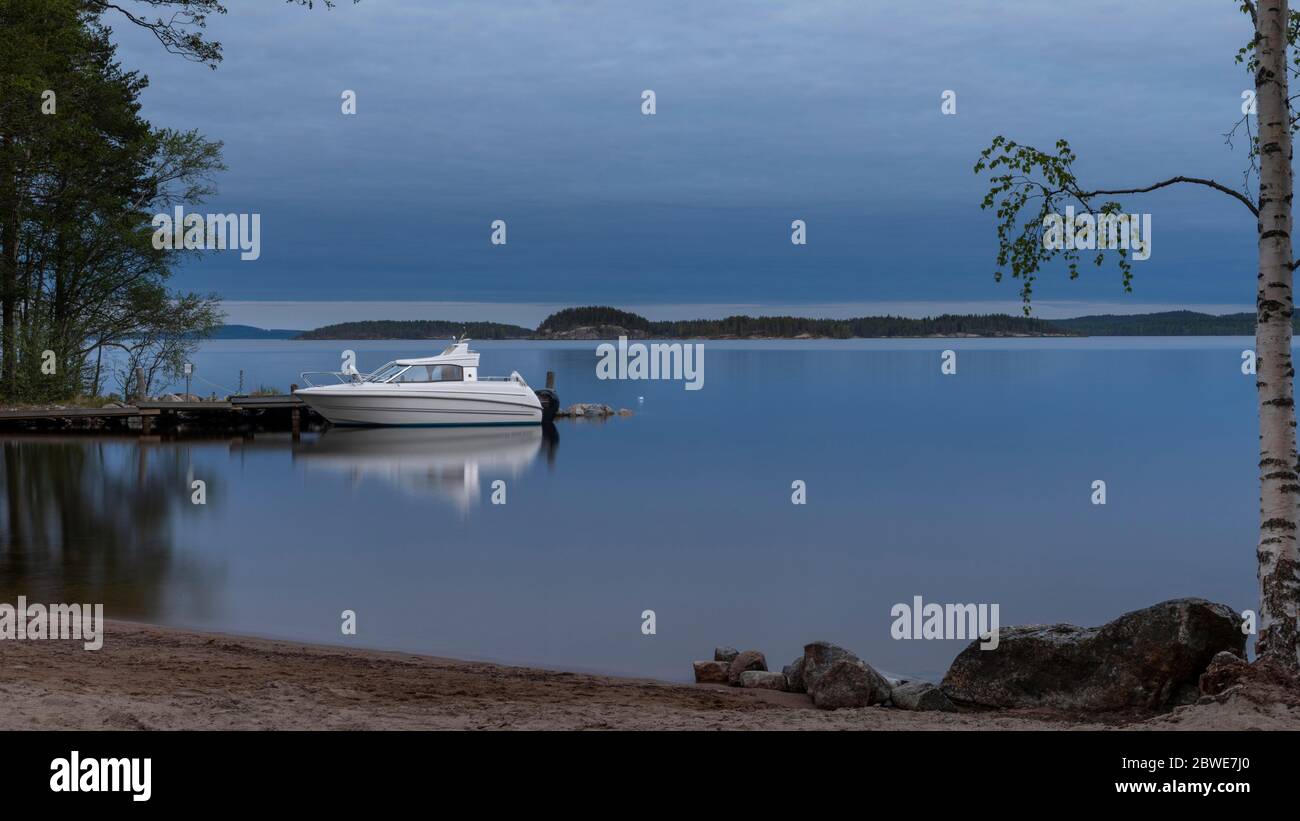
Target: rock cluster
[591, 410]
[1163, 655]
[832, 676]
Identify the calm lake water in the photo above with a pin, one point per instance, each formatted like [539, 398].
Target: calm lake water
[974, 487]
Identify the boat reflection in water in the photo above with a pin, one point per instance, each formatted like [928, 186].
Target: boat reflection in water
[446, 463]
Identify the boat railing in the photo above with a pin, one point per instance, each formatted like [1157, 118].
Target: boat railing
[339, 376]
[514, 377]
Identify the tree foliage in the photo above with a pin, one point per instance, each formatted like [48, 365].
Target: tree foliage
[81, 176]
[178, 25]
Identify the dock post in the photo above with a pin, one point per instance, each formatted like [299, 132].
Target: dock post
[146, 424]
[550, 380]
[296, 423]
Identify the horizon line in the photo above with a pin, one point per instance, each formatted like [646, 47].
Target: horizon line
[288, 314]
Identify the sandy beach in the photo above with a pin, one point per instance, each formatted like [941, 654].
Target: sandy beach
[158, 678]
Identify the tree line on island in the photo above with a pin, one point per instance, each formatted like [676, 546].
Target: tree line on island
[594, 322]
[601, 322]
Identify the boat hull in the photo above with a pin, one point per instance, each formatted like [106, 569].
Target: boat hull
[357, 406]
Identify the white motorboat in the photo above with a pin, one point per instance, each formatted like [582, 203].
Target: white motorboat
[433, 391]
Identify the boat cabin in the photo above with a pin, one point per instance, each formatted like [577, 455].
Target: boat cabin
[456, 364]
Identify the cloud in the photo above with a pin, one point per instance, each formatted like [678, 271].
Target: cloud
[767, 111]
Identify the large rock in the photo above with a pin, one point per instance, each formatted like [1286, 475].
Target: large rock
[762, 680]
[920, 695]
[818, 657]
[848, 682]
[748, 660]
[711, 672]
[793, 673]
[1141, 659]
[724, 653]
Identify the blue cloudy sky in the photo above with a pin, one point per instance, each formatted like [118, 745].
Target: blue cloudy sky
[768, 111]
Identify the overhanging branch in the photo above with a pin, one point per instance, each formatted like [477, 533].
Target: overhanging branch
[1232, 192]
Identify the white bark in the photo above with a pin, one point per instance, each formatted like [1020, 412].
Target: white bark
[1279, 487]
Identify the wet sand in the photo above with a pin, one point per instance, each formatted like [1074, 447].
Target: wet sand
[158, 678]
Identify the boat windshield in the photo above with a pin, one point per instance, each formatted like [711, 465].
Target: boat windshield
[386, 373]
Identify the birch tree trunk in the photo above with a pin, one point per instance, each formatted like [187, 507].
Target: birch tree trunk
[1279, 585]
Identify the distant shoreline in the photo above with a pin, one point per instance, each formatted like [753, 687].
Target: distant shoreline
[601, 323]
[801, 338]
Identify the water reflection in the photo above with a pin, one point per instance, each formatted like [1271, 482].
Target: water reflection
[443, 463]
[698, 481]
[93, 521]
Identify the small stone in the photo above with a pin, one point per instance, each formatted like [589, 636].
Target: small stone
[1225, 670]
[794, 676]
[711, 672]
[849, 683]
[921, 695]
[748, 660]
[818, 656]
[762, 680]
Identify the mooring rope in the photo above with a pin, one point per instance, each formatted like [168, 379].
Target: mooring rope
[228, 391]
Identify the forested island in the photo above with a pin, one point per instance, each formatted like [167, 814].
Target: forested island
[1167, 323]
[417, 329]
[601, 322]
[251, 332]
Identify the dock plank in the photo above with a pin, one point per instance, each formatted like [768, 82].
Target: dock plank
[235, 405]
[267, 402]
[185, 406]
[68, 413]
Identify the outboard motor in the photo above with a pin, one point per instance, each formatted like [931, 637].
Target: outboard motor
[550, 404]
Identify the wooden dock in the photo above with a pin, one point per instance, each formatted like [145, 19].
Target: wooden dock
[237, 411]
